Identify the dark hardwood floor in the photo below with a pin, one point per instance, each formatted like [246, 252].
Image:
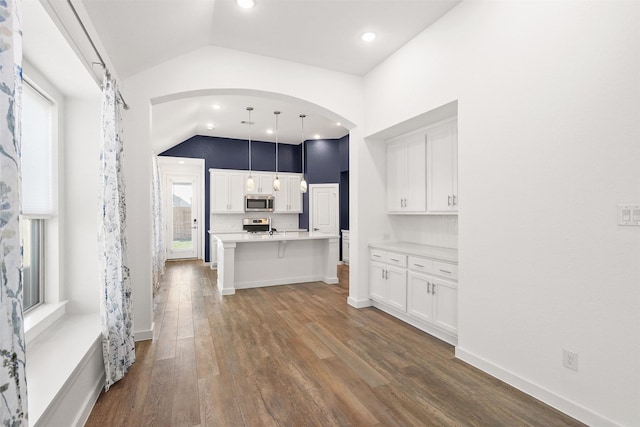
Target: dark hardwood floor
[299, 356]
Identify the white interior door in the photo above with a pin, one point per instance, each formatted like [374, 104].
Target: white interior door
[324, 208]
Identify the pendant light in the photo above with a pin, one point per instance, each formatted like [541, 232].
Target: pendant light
[250, 183]
[276, 182]
[303, 183]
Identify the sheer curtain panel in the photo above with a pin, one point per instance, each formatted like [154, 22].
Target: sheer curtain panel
[115, 303]
[13, 382]
[158, 255]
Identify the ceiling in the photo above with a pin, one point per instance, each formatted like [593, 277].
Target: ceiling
[138, 34]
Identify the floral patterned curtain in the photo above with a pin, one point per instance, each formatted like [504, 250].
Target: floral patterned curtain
[118, 347]
[158, 257]
[13, 381]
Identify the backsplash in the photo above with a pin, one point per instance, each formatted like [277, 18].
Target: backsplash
[436, 230]
[231, 223]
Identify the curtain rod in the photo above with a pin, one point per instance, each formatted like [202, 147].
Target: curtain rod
[95, 49]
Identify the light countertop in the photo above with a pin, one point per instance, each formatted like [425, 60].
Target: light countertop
[436, 252]
[277, 236]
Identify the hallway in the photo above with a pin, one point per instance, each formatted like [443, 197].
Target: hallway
[298, 355]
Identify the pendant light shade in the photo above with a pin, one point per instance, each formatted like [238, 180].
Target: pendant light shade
[250, 183]
[303, 183]
[276, 182]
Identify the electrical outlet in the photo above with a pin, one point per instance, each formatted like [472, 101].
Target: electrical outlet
[570, 359]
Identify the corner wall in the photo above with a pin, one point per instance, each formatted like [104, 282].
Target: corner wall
[549, 99]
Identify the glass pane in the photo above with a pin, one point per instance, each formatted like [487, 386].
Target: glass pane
[181, 193]
[33, 262]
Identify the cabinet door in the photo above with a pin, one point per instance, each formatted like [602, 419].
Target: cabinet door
[416, 186]
[295, 196]
[219, 184]
[396, 176]
[420, 301]
[281, 203]
[378, 285]
[236, 192]
[445, 313]
[263, 183]
[397, 278]
[442, 168]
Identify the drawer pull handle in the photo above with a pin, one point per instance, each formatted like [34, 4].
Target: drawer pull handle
[428, 287]
[433, 289]
[419, 265]
[396, 260]
[376, 256]
[445, 271]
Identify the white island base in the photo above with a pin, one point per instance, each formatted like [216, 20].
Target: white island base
[252, 261]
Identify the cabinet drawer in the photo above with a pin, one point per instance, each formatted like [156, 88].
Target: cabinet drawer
[422, 265]
[396, 259]
[378, 255]
[445, 270]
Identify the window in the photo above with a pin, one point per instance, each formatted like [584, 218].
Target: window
[37, 193]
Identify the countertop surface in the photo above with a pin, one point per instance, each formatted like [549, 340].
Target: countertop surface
[436, 252]
[277, 236]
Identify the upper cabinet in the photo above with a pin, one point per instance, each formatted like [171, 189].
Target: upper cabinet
[289, 198]
[406, 183]
[422, 171]
[442, 168]
[263, 183]
[227, 191]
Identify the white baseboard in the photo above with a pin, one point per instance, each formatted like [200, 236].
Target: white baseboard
[277, 282]
[550, 398]
[359, 303]
[144, 335]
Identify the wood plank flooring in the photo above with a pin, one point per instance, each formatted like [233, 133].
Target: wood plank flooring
[299, 356]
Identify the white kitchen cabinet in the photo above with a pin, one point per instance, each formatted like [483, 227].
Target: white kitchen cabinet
[226, 191]
[442, 168]
[345, 246]
[388, 276]
[406, 176]
[263, 183]
[289, 198]
[422, 291]
[433, 293]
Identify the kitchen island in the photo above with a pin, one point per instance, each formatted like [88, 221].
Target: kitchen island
[252, 260]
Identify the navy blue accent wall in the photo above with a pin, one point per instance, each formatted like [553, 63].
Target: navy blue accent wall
[325, 160]
[227, 153]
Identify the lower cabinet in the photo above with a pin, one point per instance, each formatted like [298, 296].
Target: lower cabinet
[421, 291]
[433, 300]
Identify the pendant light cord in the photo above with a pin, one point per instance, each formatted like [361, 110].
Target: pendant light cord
[277, 113]
[249, 109]
[302, 116]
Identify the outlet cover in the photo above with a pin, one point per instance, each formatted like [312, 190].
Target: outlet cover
[570, 359]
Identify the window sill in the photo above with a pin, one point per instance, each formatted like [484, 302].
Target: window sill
[41, 317]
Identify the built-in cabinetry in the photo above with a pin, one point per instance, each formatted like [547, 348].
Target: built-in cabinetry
[226, 191]
[442, 168]
[422, 171]
[345, 246]
[406, 183]
[289, 198]
[263, 183]
[417, 284]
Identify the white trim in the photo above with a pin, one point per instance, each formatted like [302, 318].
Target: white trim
[144, 335]
[334, 186]
[359, 303]
[284, 281]
[41, 317]
[547, 396]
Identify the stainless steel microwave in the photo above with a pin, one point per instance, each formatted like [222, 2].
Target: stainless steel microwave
[258, 203]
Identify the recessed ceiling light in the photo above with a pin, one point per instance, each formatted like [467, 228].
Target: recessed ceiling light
[209, 126]
[338, 124]
[181, 162]
[269, 131]
[246, 4]
[368, 36]
[216, 106]
[316, 136]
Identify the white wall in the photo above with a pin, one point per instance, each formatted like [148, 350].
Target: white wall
[80, 177]
[207, 69]
[549, 144]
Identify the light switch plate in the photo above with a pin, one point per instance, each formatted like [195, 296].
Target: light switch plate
[628, 214]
